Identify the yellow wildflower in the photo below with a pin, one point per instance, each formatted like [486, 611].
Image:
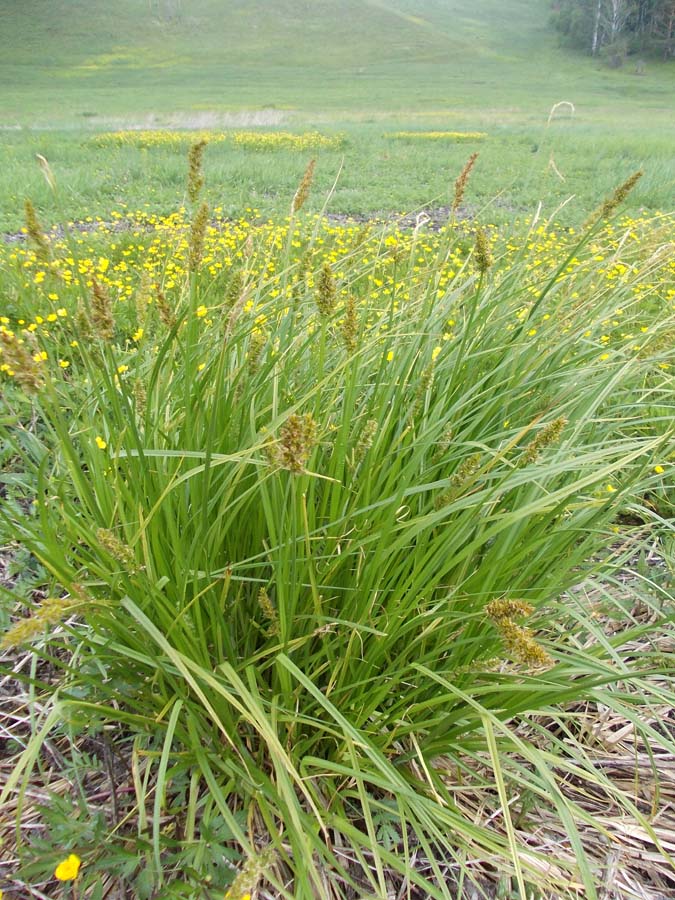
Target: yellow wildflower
[68, 869]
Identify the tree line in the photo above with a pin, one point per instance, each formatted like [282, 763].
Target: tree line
[615, 28]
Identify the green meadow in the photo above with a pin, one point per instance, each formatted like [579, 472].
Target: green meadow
[361, 69]
[337, 419]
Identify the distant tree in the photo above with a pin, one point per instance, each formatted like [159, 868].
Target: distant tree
[613, 28]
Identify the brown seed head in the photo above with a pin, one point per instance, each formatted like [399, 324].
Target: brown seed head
[297, 438]
[195, 176]
[302, 193]
[166, 314]
[35, 233]
[519, 641]
[234, 290]
[102, 321]
[523, 647]
[22, 359]
[462, 179]
[615, 200]
[140, 397]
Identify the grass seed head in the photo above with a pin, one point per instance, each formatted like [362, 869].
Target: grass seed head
[119, 551]
[523, 647]
[269, 612]
[443, 445]
[235, 288]
[610, 205]
[350, 326]
[50, 612]
[197, 236]
[36, 234]
[22, 360]
[235, 312]
[462, 179]
[140, 397]
[482, 251]
[297, 438]
[256, 346]
[547, 436]
[519, 641]
[425, 381]
[166, 314]
[507, 609]
[365, 441]
[302, 193]
[249, 877]
[326, 292]
[102, 322]
[462, 476]
[195, 176]
[466, 470]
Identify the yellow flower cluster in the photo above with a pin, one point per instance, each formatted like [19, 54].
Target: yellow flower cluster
[248, 140]
[147, 140]
[453, 136]
[286, 140]
[376, 270]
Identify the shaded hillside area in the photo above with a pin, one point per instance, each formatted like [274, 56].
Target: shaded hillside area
[75, 61]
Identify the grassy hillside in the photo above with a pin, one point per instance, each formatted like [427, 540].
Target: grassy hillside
[365, 68]
[70, 60]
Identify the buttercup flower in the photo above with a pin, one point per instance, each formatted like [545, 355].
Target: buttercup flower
[68, 869]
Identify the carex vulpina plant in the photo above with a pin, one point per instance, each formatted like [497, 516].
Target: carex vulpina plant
[298, 636]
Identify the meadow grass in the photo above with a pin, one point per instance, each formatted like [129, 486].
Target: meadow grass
[362, 69]
[316, 507]
[518, 167]
[68, 62]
